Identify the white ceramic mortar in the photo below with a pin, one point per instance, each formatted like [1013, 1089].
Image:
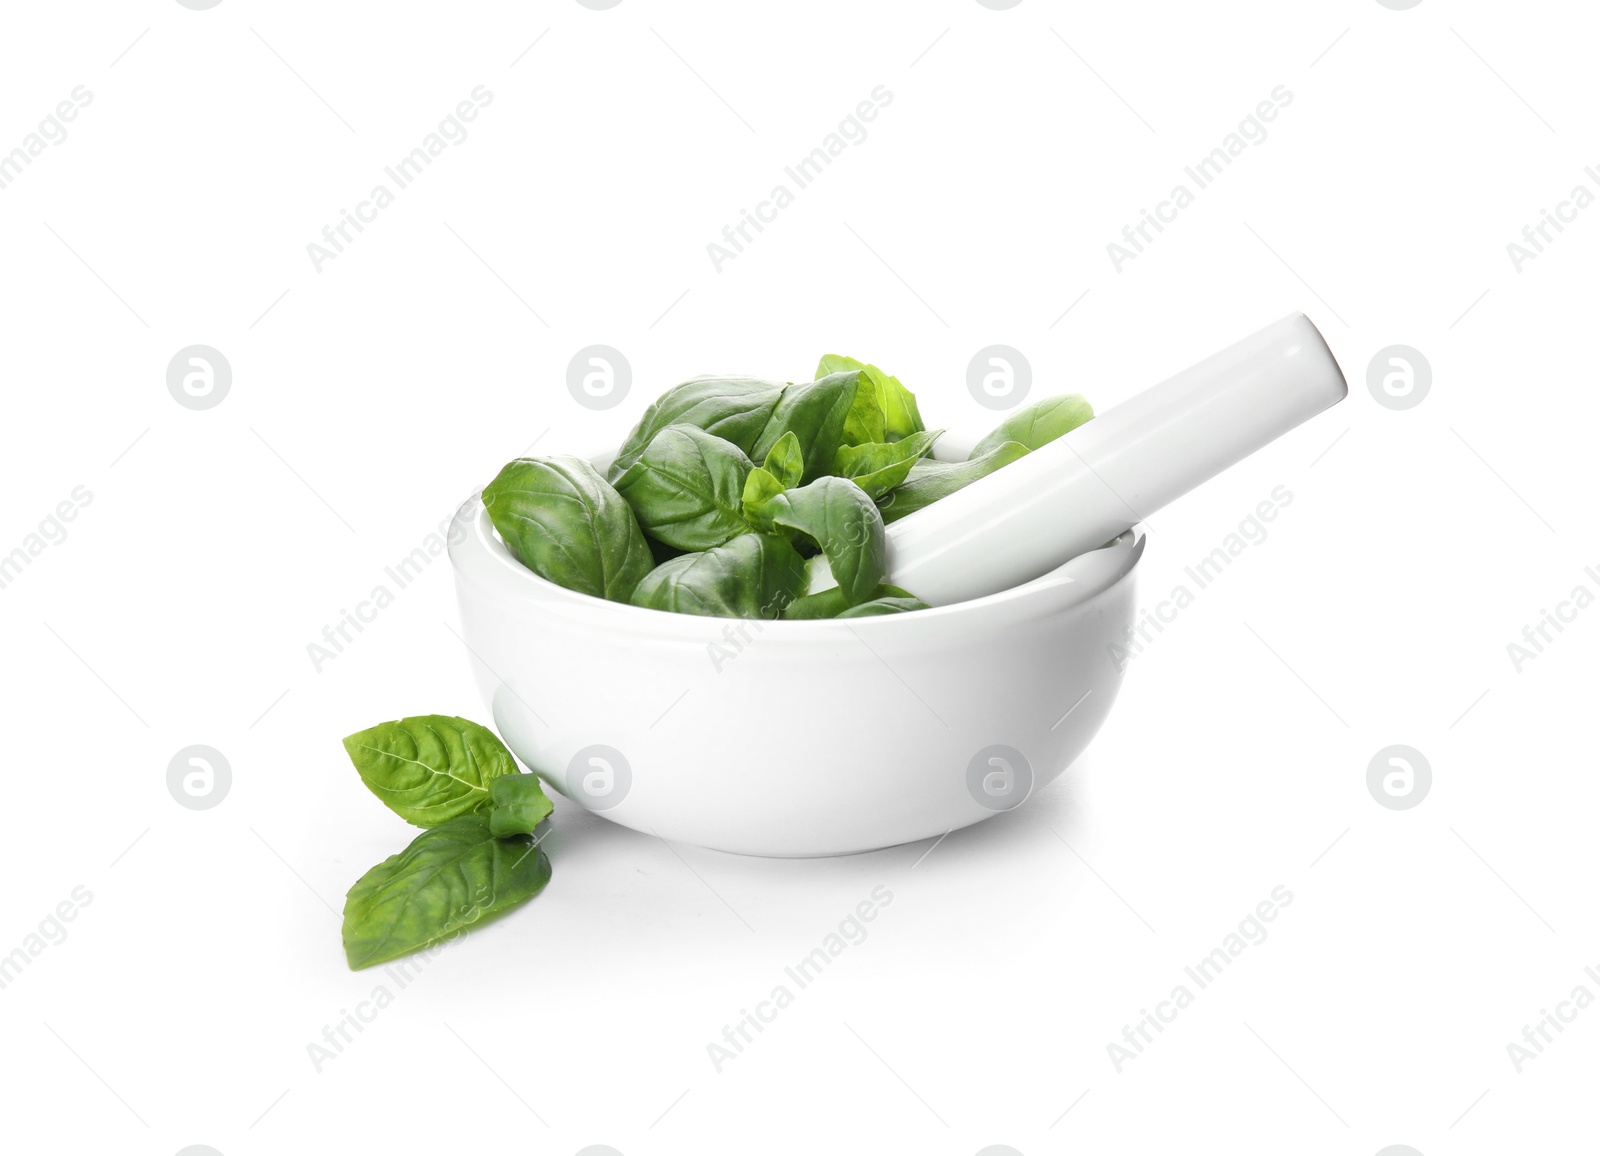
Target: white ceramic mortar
[795, 738]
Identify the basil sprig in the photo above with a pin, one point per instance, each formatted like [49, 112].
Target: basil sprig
[478, 856]
[728, 485]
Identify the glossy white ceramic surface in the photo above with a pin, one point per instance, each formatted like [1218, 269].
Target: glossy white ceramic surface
[1111, 473]
[792, 738]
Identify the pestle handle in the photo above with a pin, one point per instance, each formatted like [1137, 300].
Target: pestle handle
[1083, 489]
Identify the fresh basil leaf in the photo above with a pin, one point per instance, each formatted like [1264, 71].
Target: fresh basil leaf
[887, 414]
[785, 462]
[929, 481]
[878, 467]
[736, 409]
[446, 881]
[759, 488]
[865, 422]
[561, 520]
[827, 603]
[815, 413]
[901, 418]
[783, 470]
[430, 768]
[837, 515]
[520, 805]
[687, 487]
[752, 576]
[893, 604]
[831, 603]
[1037, 424]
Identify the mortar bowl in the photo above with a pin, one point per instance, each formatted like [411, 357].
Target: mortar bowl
[799, 738]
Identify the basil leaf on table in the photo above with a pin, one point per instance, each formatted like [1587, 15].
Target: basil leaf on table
[736, 409]
[752, 576]
[878, 467]
[448, 879]
[519, 805]
[831, 603]
[687, 488]
[561, 520]
[844, 522]
[930, 481]
[429, 769]
[815, 413]
[886, 413]
[1037, 424]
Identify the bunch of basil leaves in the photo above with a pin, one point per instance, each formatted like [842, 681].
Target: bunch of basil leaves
[728, 486]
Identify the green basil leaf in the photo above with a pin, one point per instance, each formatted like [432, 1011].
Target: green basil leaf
[865, 422]
[878, 467]
[1037, 424]
[901, 418]
[785, 462]
[892, 604]
[561, 520]
[520, 805]
[736, 409]
[837, 515]
[782, 471]
[760, 488]
[447, 880]
[929, 481]
[837, 363]
[815, 413]
[430, 768]
[686, 489]
[887, 414]
[830, 603]
[753, 576]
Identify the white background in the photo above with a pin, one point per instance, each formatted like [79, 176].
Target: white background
[375, 394]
